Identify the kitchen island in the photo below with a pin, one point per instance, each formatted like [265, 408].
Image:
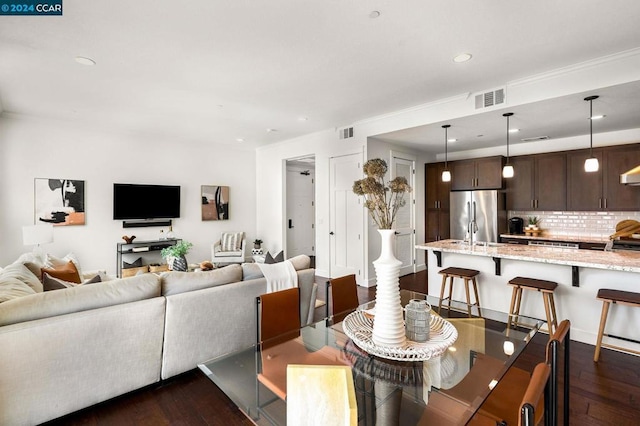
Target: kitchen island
[579, 274]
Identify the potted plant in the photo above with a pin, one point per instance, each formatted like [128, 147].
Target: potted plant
[257, 243]
[533, 223]
[175, 255]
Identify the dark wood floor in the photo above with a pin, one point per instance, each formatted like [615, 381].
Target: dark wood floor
[603, 393]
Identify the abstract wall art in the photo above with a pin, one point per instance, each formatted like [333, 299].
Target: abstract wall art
[59, 201]
[215, 202]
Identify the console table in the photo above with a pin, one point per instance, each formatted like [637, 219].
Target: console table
[140, 248]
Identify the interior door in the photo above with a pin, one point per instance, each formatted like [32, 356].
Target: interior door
[346, 217]
[300, 212]
[404, 165]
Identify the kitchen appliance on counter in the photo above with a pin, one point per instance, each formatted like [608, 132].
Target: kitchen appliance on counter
[516, 226]
[477, 215]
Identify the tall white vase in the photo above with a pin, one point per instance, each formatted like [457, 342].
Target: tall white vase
[388, 324]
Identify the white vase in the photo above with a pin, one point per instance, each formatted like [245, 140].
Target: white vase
[388, 325]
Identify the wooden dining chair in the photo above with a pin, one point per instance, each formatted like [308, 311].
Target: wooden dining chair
[536, 397]
[344, 296]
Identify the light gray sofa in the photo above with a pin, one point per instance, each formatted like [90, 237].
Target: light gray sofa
[65, 350]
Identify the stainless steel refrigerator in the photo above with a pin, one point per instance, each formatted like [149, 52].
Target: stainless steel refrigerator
[480, 215]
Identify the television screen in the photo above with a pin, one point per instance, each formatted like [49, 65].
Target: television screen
[132, 201]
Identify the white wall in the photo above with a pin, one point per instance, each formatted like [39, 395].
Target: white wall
[31, 148]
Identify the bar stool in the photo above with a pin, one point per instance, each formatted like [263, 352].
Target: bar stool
[547, 289]
[614, 296]
[469, 277]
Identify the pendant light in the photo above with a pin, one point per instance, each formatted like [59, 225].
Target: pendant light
[507, 170]
[591, 164]
[446, 174]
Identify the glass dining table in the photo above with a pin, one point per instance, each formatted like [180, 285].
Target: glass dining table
[446, 389]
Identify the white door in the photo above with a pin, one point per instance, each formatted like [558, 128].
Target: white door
[346, 217]
[404, 165]
[300, 212]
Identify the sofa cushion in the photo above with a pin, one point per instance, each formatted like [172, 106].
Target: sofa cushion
[68, 272]
[22, 273]
[231, 241]
[180, 282]
[79, 298]
[51, 283]
[300, 262]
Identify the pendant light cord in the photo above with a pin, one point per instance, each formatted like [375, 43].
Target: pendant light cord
[591, 128]
[507, 139]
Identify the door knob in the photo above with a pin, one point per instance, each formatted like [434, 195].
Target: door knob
[396, 232]
[331, 233]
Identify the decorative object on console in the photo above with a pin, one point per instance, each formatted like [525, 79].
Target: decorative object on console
[175, 255]
[128, 240]
[257, 244]
[207, 266]
[59, 201]
[383, 200]
[215, 202]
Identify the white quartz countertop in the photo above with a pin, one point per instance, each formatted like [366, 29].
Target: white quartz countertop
[628, 261]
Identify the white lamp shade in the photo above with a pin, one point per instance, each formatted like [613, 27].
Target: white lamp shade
[591, 165]
[37, 234]
[507, 171]
[446, 176]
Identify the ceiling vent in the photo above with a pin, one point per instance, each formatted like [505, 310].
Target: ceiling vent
[491, 98]
[346, 133]
[537, 138]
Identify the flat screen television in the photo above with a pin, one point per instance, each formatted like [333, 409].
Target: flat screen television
[132, 201]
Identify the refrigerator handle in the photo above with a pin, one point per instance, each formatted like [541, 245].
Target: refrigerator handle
[475, 224]
[469, 218]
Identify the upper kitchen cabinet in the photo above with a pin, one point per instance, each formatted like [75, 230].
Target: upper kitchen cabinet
[479, 173]
[437, 203]
[539, 182]
[602, 190]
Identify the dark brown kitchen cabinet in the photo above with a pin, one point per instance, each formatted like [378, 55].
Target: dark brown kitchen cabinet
[602, 190]
[437, 203]
[479, 173]
[539, 182]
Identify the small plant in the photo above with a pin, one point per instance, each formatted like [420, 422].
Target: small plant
[257, 242]
[178, 250]
[533, 220]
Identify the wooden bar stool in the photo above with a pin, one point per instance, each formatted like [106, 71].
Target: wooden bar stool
[469, 277]
[547, 289]
[614, 296]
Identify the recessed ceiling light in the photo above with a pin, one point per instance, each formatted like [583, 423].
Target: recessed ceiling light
[375, 14]
[271, 130]
[597, 117]
[239, 140]
[514, 130]
[463, 57]
[452, 140]
[85, 61]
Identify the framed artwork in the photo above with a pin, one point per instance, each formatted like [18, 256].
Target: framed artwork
[59, 201]
[215, 202]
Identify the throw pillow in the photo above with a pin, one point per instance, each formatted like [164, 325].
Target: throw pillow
[21, 273]
[69, 272]
[12, 288]
[135, 264]
[96, 279]
[270, 259]
[231, 241]
[53, 262]
[51, 283]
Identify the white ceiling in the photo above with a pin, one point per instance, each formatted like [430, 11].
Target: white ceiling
[211, 71]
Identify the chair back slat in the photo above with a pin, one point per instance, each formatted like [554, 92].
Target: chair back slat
[344, 296]
[278, 316]
[536, 397]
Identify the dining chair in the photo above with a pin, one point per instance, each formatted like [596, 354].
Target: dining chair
[277, 316]
[344, 296]
[525, 401]
[558, 358]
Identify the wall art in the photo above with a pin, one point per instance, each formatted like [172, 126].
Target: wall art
[59, 201]
[215, 202]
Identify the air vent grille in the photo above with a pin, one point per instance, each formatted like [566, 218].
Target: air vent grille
[346, 133]
[490, 98]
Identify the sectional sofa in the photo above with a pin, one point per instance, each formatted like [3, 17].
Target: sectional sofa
[64, 350]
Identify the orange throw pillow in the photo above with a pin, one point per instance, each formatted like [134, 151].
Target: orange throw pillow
[68, 272]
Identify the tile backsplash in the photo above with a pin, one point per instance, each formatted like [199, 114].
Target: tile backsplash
[577, 224]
